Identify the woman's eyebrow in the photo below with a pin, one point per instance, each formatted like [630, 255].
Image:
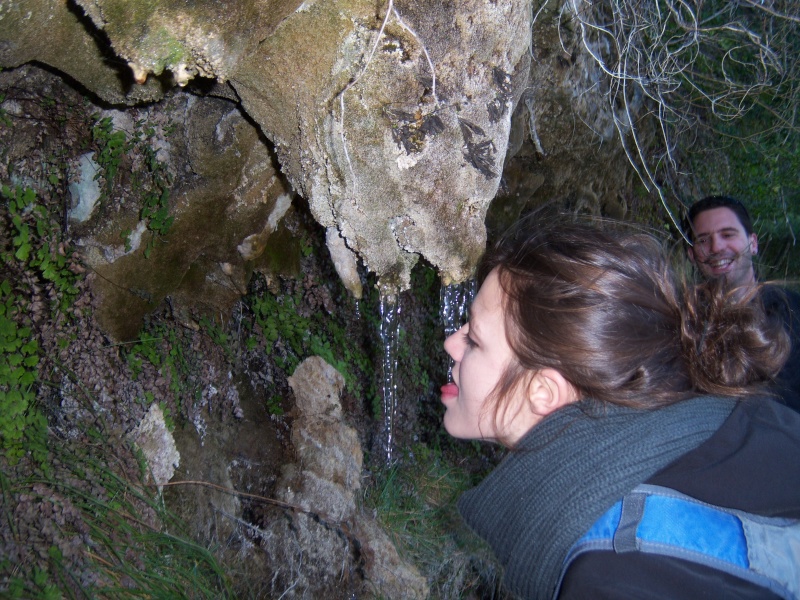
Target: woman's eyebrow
[473, 331]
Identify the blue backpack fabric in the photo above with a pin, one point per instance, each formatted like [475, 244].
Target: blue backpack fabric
[659, 520]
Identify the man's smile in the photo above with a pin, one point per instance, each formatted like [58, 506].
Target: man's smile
[719, 263]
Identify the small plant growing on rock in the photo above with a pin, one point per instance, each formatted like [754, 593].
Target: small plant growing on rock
[22, 425]
[153, 181]
[297, 336]
[38, 270]
[112, 145]
[36, 243]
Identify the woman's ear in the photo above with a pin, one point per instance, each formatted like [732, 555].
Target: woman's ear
[549, 391]
[546, 391]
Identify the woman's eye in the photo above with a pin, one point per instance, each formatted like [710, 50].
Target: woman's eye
[468, 341]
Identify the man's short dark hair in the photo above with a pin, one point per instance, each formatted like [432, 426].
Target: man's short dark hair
[710, 202]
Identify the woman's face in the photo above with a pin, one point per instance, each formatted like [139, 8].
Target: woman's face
[481, 353]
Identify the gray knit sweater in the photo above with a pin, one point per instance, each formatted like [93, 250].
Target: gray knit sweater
[567, 471]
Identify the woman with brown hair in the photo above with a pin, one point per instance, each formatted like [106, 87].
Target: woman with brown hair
[645, 460]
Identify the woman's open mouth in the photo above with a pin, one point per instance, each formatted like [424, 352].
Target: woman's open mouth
[449, 390]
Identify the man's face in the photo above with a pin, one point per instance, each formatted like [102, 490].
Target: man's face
[722, 248]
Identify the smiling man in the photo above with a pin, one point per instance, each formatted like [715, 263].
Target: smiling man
[723, 245]
[723, 240]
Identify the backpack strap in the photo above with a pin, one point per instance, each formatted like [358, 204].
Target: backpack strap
[659, 520]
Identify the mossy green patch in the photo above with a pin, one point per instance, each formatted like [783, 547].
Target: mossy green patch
[282, 254]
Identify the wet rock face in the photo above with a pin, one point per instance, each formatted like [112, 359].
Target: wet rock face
[395, 122]
[200, 158]
[226, 199]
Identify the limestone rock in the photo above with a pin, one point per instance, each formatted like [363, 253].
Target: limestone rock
[388, 575]
[205, 39]
[157, 444]
[320, 545]
[84, 189]
[394, 126]
[328, 449]
[392, 120]
[344, 261]
[55, 32]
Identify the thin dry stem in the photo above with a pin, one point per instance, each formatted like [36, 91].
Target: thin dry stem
[680, 55]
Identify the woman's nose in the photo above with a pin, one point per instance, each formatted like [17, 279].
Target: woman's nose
[454, 345]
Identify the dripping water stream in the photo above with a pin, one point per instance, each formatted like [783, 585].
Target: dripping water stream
[390, 323]
[454, 301]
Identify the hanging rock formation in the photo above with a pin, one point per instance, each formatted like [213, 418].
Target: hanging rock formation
[52, 32]
[392, 120]
[394, 126]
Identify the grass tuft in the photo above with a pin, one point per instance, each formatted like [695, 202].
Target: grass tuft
[415, 502]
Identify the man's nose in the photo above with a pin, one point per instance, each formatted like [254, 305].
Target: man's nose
[715, 244]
